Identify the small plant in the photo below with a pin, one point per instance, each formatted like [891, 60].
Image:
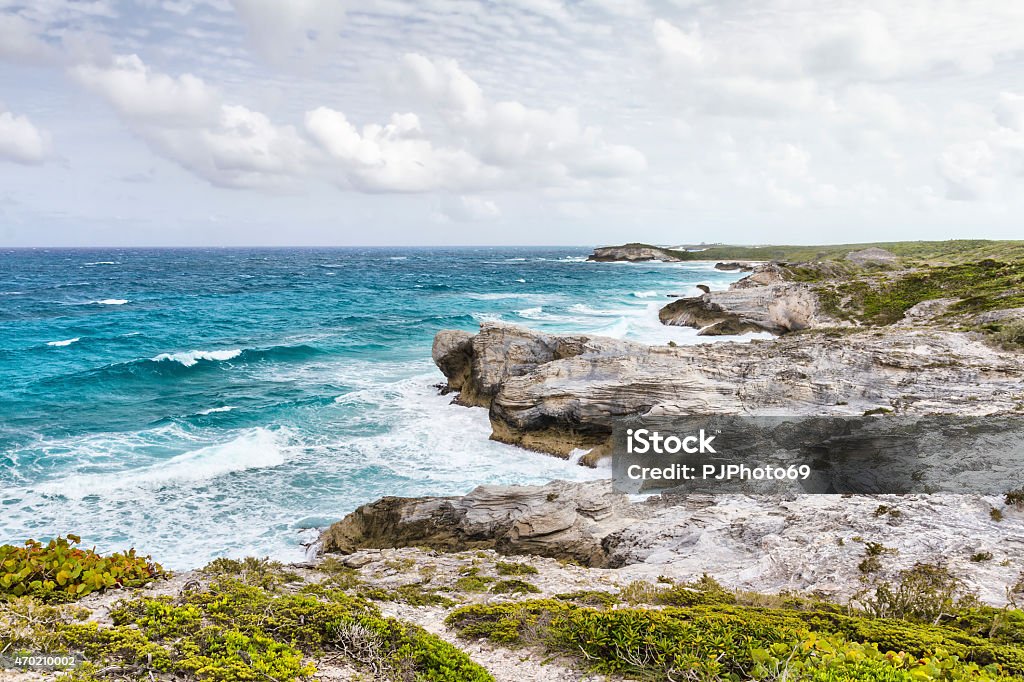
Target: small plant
[996, 514]
[924, 594]
[59, 571]
[339, 575]
[884, 509]
[413, 594]
[262, 573]
[515, 568]
[514, 586]
[590, 598]
[1010, 335]
[873, 553]
[979, 557]
[473, 583]
[1015, 498]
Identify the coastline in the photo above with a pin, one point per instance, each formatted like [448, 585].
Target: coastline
[466, 568]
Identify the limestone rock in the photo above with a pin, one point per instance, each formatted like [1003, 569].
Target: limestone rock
[760, 543]
[734, 266]
[559, 520]
[632, 253]
[777, 308]
[556, 394]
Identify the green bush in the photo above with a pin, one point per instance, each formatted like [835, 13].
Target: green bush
[514, 586]
[726, 642]
[237, 631]
[514, 568]
[59, 571]
[1010, 335]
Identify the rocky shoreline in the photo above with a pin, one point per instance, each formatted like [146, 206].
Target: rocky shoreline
[561, 394]
[554, 582]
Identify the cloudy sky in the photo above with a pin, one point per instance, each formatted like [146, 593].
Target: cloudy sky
[219, 122]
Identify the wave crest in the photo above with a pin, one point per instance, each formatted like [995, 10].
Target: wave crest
[192, 357]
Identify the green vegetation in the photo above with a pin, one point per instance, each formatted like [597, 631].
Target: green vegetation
[59, 571]
[725, 642]
[243, 626]
[883, 299]
[262, 573]
[254, 619]
[413, 594]
[1009, 335]
[514, 586]
[514, 568]
[947, 252]
[473, 583]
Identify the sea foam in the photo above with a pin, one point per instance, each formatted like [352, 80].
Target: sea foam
[256, 448]
[65, 342]
[189, 358]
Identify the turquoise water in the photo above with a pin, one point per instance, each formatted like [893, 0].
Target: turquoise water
[196, 403]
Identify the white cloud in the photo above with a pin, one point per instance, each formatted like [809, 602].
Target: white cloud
[468, 209]
[21, 141]
[536, 145]
[781, 115]
[985, 160]
[285, 28]
[144, 96]
[19, 41]
[492, 144]
[1010, 111]
[391, 158]
[678, 48]
[186, 121]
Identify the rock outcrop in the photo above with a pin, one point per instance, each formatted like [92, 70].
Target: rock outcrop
[776, 308]
[804, 542]
[872, 256]
[764, 301]
[734, 266]
[559, 520]
[632, 253]
[555, 394]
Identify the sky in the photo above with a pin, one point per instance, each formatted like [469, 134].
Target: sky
[436, 122]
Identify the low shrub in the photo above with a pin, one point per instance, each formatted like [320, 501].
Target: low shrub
[514, 568]
[514, 586]
[727, 642]
[60, 571]
[237, 631]
[724, 642]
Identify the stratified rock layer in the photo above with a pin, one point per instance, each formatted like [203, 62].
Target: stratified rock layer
[559, 520]
[806, 542]
[555, 394]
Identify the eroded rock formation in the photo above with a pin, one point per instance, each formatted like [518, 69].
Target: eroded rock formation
[559, 520]
[555, 394]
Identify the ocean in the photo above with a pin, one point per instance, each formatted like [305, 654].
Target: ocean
[195, 403]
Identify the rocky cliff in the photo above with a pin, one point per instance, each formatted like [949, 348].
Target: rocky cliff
[557, 393]
[633, 253]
